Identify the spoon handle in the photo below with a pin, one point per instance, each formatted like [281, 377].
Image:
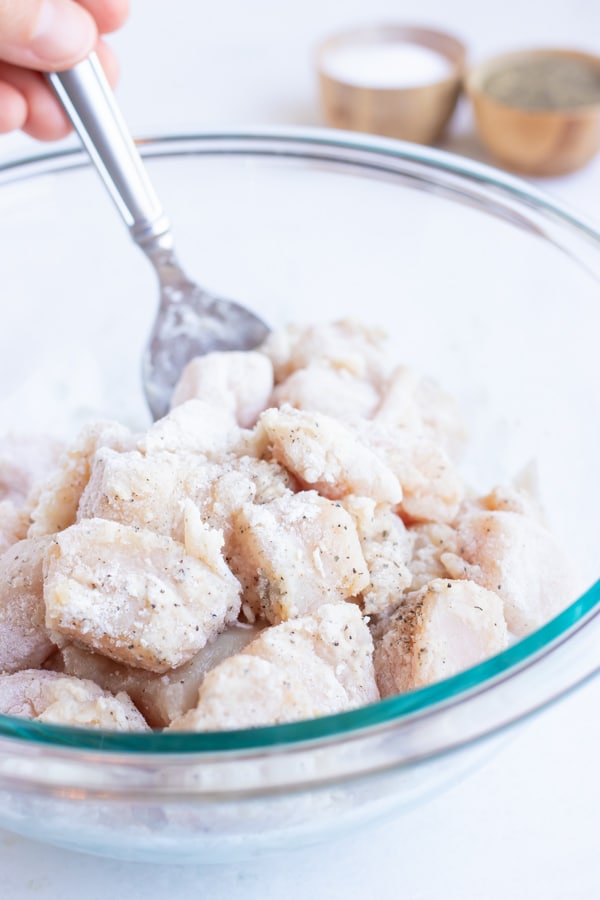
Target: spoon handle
[89, 102]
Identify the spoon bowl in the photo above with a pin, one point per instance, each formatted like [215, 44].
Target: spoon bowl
[190, 322]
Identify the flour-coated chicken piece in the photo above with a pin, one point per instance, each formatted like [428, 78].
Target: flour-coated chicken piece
[438, 631]
[194, 427]
[337, 635]
[62, 700]
[509, 498]
[325, 389]
[14, 522]
[344, 345]
[386, 547]
[140, 598]
[150, 491]
[432, 489]
[430, 541]
[239, 481]
[24, 639]
[246, 692]
[238, 383]
[518, 558]
[312, 666]
[419, 404]
[146, 491]
[54, 504]
[160, 698]
[326, 455]
[293, 554]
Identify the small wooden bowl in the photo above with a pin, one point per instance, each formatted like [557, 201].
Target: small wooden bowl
[417, 114]
[534, 141]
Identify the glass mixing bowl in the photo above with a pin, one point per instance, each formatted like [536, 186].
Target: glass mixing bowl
[482, 282]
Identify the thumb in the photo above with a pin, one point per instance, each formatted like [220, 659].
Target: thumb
[45, 34]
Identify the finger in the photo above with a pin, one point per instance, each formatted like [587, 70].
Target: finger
[13, 108]
[108, 61]
[45, 118]
[42, 116]
[45, 34]
[108, 14]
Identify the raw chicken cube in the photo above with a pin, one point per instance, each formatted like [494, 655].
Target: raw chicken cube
[146, 491]
[61, 700]
[160, 698]
[338, 636]
[244, 692]
[196, 426]
[24, 639]
[54, 505]
[386, 546]
[238, 482]
[238, 383]
[14, 522]
[309, 667]
[430, 542]
[334, 392]
[518, 558]
[342, 345]
[295, 553]
[419, 405]
[432, 490]
[137, 597]
[438, 631]
[325, 455]
[510, 498]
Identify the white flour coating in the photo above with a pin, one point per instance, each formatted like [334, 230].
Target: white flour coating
[295, 538]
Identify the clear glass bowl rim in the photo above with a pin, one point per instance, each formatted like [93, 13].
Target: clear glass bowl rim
[392, 157]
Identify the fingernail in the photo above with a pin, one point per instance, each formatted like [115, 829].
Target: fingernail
[64, 33]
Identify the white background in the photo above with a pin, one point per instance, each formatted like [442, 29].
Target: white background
[527, 824]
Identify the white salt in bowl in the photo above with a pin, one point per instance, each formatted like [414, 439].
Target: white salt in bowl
[396, 80]
[481, 281]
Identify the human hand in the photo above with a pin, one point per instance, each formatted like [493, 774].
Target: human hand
[49, 35]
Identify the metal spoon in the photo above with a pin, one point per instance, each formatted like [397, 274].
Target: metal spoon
[190, 321]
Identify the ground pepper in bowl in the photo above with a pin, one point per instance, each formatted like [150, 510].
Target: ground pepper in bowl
[538, 111]
[546, 83]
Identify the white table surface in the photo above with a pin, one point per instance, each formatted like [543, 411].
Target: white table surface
[527, 824]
